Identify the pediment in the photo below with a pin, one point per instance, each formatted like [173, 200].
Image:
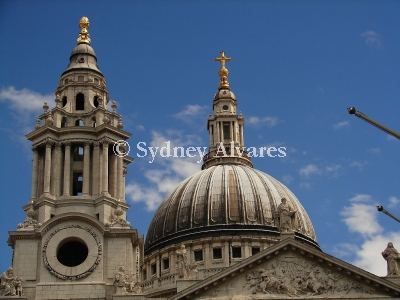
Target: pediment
[288, 270]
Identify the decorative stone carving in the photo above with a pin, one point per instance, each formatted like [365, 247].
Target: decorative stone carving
[58, 100]
[116, 219]
[185, 270]
[29, 223]
[392, 257]
[106, 119]
[11, 285]
[124, 285]
[114, 106]
[81, 271]
[45, 107]
[285, 216]
[37, 125]
[49, 119]
[120, 125]
[299, 278]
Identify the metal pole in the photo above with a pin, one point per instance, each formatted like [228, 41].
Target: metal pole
[380, 208]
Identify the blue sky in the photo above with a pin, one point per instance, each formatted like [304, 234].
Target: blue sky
[296, 66]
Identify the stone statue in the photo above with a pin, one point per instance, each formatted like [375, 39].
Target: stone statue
[10, 285]
[120, 280]
[124, 285]
[285, 216]
[182, 262]
[392, 257]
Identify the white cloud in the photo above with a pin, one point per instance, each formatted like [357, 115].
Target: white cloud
[270, 121]
[190, 112]
[371, 38]
[358, 164]
[287, 179]
[140, 127]
[166, 172]
[309, 170]
[393, 202]
[333, 168]
[361, 198]
[361, 218]
[391, 137]
[341, 125]
[25, 101]
[375, 150]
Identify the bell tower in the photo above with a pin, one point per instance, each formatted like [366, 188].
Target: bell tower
[225, 128]
[76, 236]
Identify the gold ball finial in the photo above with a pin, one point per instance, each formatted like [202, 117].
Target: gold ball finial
[84, 34]
[223, 72]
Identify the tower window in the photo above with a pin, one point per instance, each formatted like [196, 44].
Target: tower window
[78, 153]
[77, 184]
[63, 122]
[80, 78]
[236, 252]
[255, 250]
[165, 264]
[225, 107]
[72, 253]
[94, 122]
[217, 253]
[96, 101]
[227, 131]
[153, 269]
[96, 81]
[198, 255]
[64, 100]
[80, 102]
[66, 81]
[79, 123]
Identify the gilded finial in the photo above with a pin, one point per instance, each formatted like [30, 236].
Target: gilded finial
[84, 34]
[223, 72]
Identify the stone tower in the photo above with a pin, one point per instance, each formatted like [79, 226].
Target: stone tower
[76, 236]
[226, 127]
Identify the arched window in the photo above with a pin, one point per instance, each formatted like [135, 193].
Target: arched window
[79, 123]
[96, 101]
[64, 101]
[80, 101]
[63, 122]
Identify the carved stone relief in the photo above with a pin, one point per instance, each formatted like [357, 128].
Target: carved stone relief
[10, 284]
[290, 276]
[126, 284]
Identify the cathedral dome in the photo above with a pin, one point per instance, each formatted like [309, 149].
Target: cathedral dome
[223, 200]
[83, 49]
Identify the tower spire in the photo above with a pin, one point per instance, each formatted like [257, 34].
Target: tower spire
[223, 72]
[225, 127]
[84, 34]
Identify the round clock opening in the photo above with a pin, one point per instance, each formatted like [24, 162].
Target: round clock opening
[225, 107]
[72, 253]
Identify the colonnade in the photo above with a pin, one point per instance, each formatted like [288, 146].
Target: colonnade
[101, 171]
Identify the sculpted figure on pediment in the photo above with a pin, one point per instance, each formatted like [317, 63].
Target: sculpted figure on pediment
[392, 257]
[285, 216]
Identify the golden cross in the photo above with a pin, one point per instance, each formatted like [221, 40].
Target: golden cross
[223, 59]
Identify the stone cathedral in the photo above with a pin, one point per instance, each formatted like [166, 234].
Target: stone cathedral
[227, 232]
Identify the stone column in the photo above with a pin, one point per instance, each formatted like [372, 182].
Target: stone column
[221, 125]
[35, 173]
[105, 168]
[47, 168]
[217, 134]
[232, 131]
[241, 135]
[112, 175]
[120, 176]
[96, 169]
[57, 169]
[235, 126]
[67, 169]
[125, 171]
[158, 266]
[86, 169]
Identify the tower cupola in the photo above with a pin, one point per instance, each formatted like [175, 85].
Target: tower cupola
[225, 127]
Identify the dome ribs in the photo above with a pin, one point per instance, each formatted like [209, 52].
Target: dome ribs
[200, 202]
[184, 209]
[217, 195]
